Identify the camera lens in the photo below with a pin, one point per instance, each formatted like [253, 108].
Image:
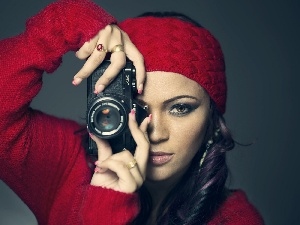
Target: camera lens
[107, 118]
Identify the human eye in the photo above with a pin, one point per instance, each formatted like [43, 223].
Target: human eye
[181, 109]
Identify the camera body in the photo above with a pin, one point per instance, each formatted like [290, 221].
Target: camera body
[107, 112]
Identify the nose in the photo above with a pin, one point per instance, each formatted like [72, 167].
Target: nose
[158, 129]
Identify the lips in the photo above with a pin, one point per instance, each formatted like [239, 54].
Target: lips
[160, 158]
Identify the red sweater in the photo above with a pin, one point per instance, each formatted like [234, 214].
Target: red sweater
[40, 157]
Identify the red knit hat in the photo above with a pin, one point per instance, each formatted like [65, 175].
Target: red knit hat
[173, 45]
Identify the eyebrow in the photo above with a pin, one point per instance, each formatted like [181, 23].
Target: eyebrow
[179, 97]
[174, 99]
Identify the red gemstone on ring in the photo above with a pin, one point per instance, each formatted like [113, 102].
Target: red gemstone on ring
[100, 47]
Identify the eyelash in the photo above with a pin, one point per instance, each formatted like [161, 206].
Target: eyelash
[185, 109]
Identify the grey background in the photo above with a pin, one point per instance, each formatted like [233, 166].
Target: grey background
[260, 40]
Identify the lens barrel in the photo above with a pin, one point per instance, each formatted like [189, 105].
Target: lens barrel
[107, 117]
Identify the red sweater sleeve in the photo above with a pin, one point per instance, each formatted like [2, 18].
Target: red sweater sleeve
[237, 210]
[40, 157]
[61, 27]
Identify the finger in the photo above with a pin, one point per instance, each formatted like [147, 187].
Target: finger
[87, 48]
[116, 36]
[90, 65]
[144, 126]
[104, 149]
[127, 182]
[117, 62]
[136, 173]
[132, 164]
[96, 57]
[138, 61]
[140, 136]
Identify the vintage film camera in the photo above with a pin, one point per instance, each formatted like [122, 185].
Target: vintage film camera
[107, 112]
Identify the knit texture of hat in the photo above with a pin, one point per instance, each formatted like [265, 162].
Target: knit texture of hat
[172, 45]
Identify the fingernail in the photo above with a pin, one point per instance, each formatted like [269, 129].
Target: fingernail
[76, 81]
[150, 117]
[97, 170]
[132, 111]
[97, 163]
[140, 88]
[91, 135]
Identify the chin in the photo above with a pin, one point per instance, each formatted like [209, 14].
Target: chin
[161, 175]
[155, 175]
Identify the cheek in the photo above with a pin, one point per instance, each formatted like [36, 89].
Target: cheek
[191, 134]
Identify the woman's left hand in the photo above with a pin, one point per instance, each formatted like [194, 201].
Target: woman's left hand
[110, 39]
[122, 171]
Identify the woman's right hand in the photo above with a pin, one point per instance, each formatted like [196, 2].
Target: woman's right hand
[95, 51]
[123, 171]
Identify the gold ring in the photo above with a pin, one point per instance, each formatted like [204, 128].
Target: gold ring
[117, 48]
[131, 164]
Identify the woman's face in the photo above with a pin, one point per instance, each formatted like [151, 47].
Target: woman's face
[180, 110]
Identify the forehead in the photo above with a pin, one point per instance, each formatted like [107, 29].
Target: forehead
[166, 85]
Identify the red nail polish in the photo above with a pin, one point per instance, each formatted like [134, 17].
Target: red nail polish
[96, 170]
[132, 111]
[140, 88]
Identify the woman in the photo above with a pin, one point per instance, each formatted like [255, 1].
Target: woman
[178, 171]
